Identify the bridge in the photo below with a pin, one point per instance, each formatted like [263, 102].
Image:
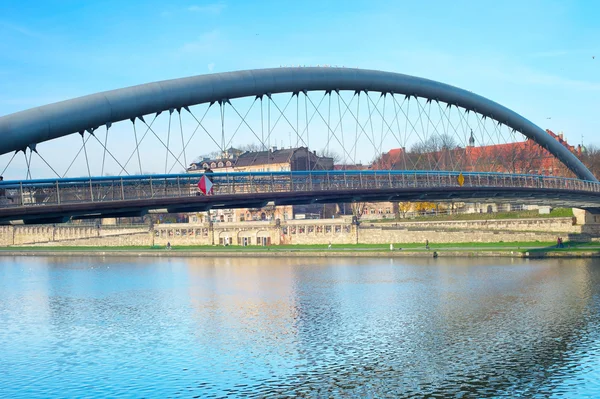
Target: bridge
[423, 141]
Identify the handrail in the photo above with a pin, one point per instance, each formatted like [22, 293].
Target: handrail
[294, 173]
[93, 190]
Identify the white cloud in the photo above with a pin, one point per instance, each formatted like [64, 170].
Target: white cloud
[213, 8]
[211, 66]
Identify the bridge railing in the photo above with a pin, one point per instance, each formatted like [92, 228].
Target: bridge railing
[103, 189]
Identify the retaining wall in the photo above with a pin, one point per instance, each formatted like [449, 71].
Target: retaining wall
[324, 231]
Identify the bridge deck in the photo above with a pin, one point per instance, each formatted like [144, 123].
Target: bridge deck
[43, 201]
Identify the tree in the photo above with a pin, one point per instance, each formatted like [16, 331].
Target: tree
[403, 208]
[328, 153]
[210, 155]
[251, 147]
[435, 153]
[424, 207]
[357, 209]
[591, 158]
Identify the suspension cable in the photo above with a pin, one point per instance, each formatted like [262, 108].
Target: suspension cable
[137, 147]
[104, 152]
[87, 162]
[28, 162]
[9, 162]
[168, 138]
[51, 168]
[111, 154]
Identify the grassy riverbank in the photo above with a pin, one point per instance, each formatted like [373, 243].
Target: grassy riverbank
[534, 249]
[533, 214]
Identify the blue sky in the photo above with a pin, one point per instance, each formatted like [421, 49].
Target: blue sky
[533, 56]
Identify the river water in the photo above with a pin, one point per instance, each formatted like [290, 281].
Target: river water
[215, 327]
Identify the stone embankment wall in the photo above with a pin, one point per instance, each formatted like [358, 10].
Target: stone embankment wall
[405, 236]
[69, 235]
[324, 231]
[556, 225]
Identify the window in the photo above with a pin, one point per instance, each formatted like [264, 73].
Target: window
[213, 165]
[228, 163]
[311, 229]
[372, 211]
[338, 228]
[301, 230]
[327, 229]
[221, 164]
[388, 211]
[205, 165]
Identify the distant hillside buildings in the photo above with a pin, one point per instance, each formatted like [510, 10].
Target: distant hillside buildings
[518, 157]
[271, 160]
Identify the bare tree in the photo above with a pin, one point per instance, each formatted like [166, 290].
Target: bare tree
[210, 155]
[591, 158]
[357, 209]
[436, 152]
[330, 154]
[251, 147]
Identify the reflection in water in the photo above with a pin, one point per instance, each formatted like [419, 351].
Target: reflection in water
[313, 327]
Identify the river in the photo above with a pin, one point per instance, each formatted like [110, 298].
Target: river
[134, 327]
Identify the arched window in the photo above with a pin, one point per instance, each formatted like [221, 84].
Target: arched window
[228, 163]
[213, 165]
[205, 165]
[220, 164]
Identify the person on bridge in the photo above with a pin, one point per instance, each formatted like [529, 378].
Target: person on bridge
[2, 191]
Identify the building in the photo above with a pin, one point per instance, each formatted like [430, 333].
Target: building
[524, 157]
[521, 157]
[271, 160]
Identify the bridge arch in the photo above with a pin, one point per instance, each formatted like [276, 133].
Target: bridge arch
[48, 122]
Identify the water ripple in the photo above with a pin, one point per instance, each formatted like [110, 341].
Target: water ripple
[255, 328]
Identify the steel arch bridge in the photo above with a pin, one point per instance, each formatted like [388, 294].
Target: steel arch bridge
[418, 136]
